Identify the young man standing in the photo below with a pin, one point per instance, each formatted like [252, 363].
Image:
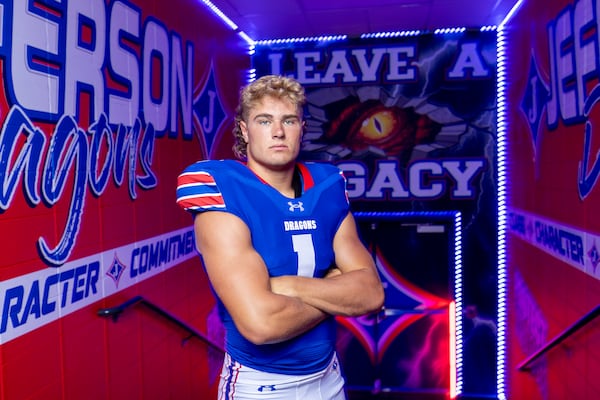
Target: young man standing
[281, 250]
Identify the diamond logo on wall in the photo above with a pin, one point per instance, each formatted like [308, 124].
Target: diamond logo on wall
[209, 113]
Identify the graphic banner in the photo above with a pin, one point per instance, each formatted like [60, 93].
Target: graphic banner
[102, 105]
[553, 91]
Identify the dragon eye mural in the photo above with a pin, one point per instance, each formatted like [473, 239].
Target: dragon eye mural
[382, 123]
[392, 130]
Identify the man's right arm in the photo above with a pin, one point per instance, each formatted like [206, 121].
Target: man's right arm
[240, 278]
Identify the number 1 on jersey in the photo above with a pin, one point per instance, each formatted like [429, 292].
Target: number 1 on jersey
[303, 246]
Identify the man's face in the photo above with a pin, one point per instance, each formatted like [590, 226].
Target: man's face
[273, 132]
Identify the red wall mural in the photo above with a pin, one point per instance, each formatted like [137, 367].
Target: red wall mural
[554, 192]
[102, 104]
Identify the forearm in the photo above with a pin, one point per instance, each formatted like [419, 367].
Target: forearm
[352, 293]
[283, 318]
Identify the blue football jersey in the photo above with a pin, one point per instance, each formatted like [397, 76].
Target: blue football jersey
[293, 236]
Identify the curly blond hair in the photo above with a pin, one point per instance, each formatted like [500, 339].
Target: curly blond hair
[277, 86]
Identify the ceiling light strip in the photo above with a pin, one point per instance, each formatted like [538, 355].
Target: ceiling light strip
[390, 34]
[228, 21]
[330, 38]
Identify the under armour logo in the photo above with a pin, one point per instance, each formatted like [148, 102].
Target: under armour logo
[266, 388]
[294, 206]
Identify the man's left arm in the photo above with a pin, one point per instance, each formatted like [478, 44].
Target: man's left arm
[356, 291]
